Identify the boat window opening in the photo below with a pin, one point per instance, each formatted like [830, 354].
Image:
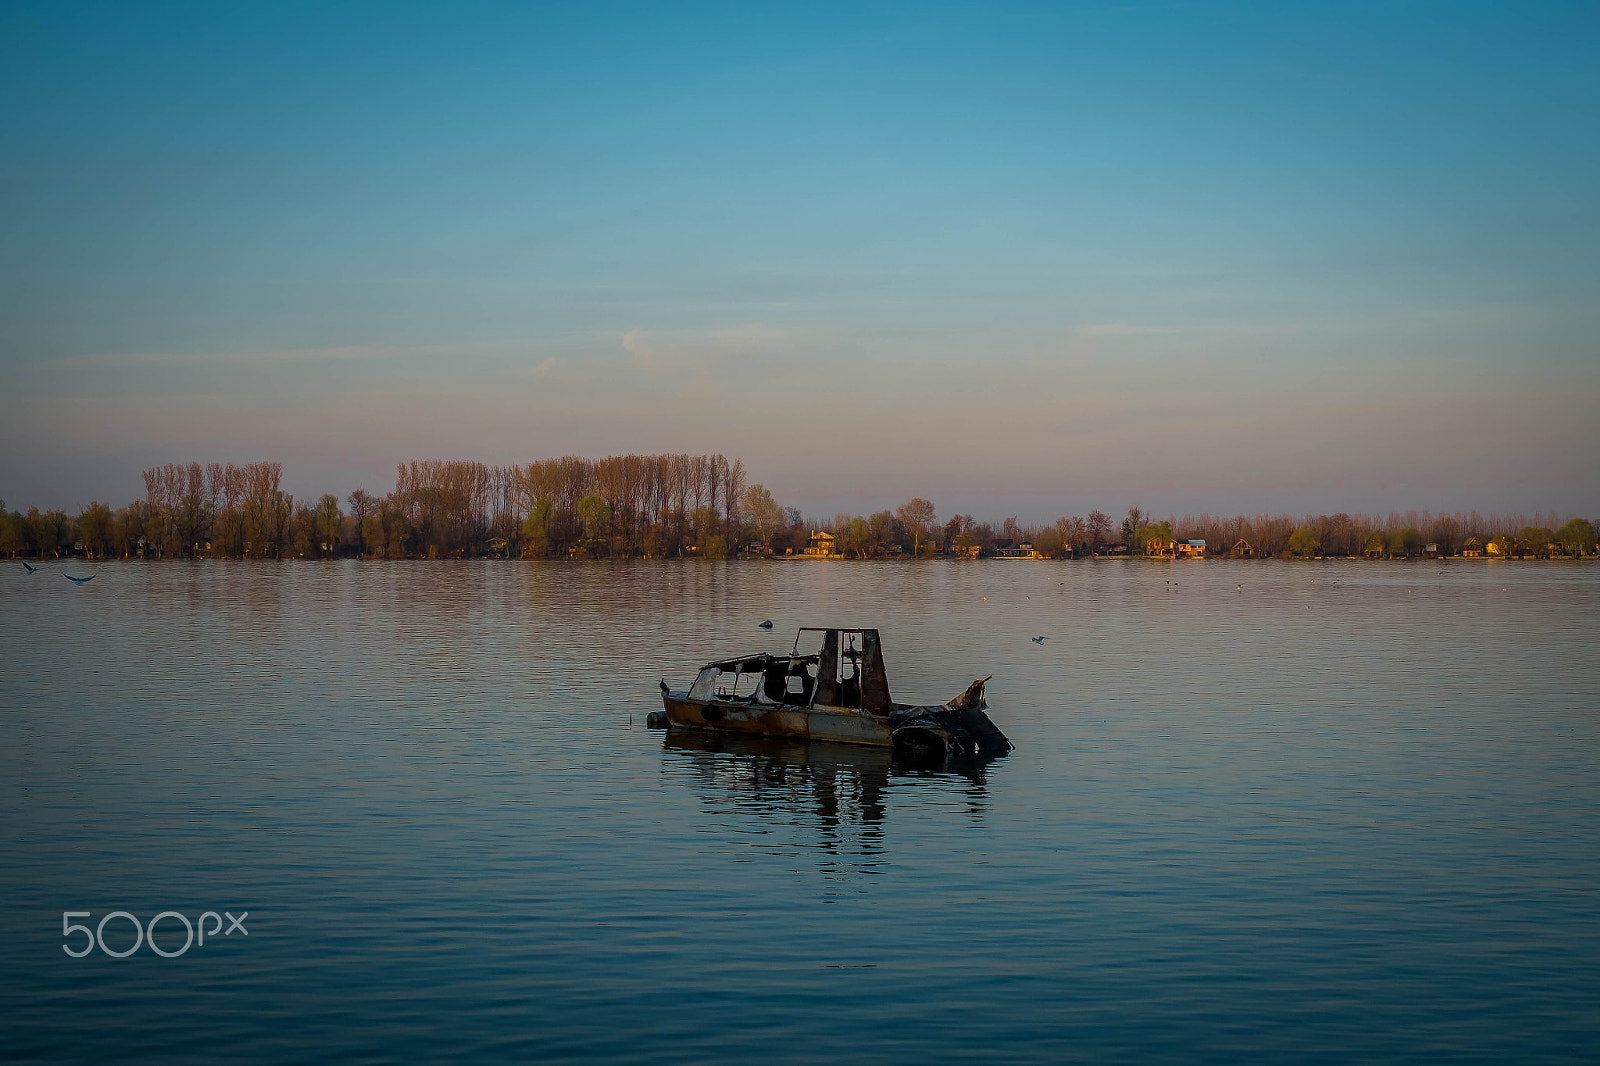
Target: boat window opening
[798, 682]
[774, 683]
[808, 643]
[850, 673]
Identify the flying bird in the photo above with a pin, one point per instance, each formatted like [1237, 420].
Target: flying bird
[767, 624]
[1037, 640]
[29, 569]
[80, 580]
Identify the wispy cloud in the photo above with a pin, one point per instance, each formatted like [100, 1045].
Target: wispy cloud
[279, 355]
[691, 359]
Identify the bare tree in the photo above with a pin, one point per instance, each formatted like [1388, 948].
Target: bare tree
[916, 515]
[1098, 527]
[763, 512]
[1132, 524]
[361, 505]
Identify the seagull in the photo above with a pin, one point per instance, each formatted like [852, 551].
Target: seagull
[29, 569]
[766, 625]
[1239, 587]
[79, 580]
[1037, 640]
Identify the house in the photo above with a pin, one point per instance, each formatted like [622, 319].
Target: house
[1430, 550]
[820, 545]
[1021, 551]
[1243, 549]
[1473, 548]
[1498, 548]
[1190, 549]
[1158, 548]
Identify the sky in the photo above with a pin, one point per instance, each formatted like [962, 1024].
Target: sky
[1017, 259]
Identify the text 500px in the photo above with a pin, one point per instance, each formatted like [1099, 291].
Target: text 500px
[145, 933]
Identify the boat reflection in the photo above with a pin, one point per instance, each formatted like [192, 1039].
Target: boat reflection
[779, 795]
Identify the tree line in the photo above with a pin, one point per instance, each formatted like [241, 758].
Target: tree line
[651, 505]
[658, 506]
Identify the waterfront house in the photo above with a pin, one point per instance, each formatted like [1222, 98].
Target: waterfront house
[1159, 548]
[1472, 548]
[1430, 550]
[1190, 549]
[1243, 549]
[820, 545]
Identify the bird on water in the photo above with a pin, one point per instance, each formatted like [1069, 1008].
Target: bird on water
[1037, 640]
[766, 625]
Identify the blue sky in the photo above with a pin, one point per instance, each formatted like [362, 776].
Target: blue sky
[1019, 259]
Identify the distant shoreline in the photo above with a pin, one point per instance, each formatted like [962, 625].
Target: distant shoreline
[695, 506]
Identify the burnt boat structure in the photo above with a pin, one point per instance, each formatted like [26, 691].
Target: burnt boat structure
[839, 693]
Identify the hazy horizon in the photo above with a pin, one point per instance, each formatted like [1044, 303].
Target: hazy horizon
[1031, 260]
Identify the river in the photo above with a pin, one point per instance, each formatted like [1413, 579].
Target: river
[1258, 811]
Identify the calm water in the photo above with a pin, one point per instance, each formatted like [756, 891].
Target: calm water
[1349, 812]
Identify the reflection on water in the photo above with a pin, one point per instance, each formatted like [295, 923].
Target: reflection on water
[782, 794]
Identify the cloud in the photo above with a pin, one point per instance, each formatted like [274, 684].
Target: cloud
[641, 352]
[696, 357]
[1117, 329]
[282, 355]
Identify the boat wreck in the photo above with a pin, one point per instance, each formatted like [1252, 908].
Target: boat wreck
[838, 693]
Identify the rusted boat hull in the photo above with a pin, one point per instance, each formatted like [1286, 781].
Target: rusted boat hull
[840, 726]
[941, 729]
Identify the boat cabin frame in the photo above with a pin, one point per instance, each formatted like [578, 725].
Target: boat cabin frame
[846, 672]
